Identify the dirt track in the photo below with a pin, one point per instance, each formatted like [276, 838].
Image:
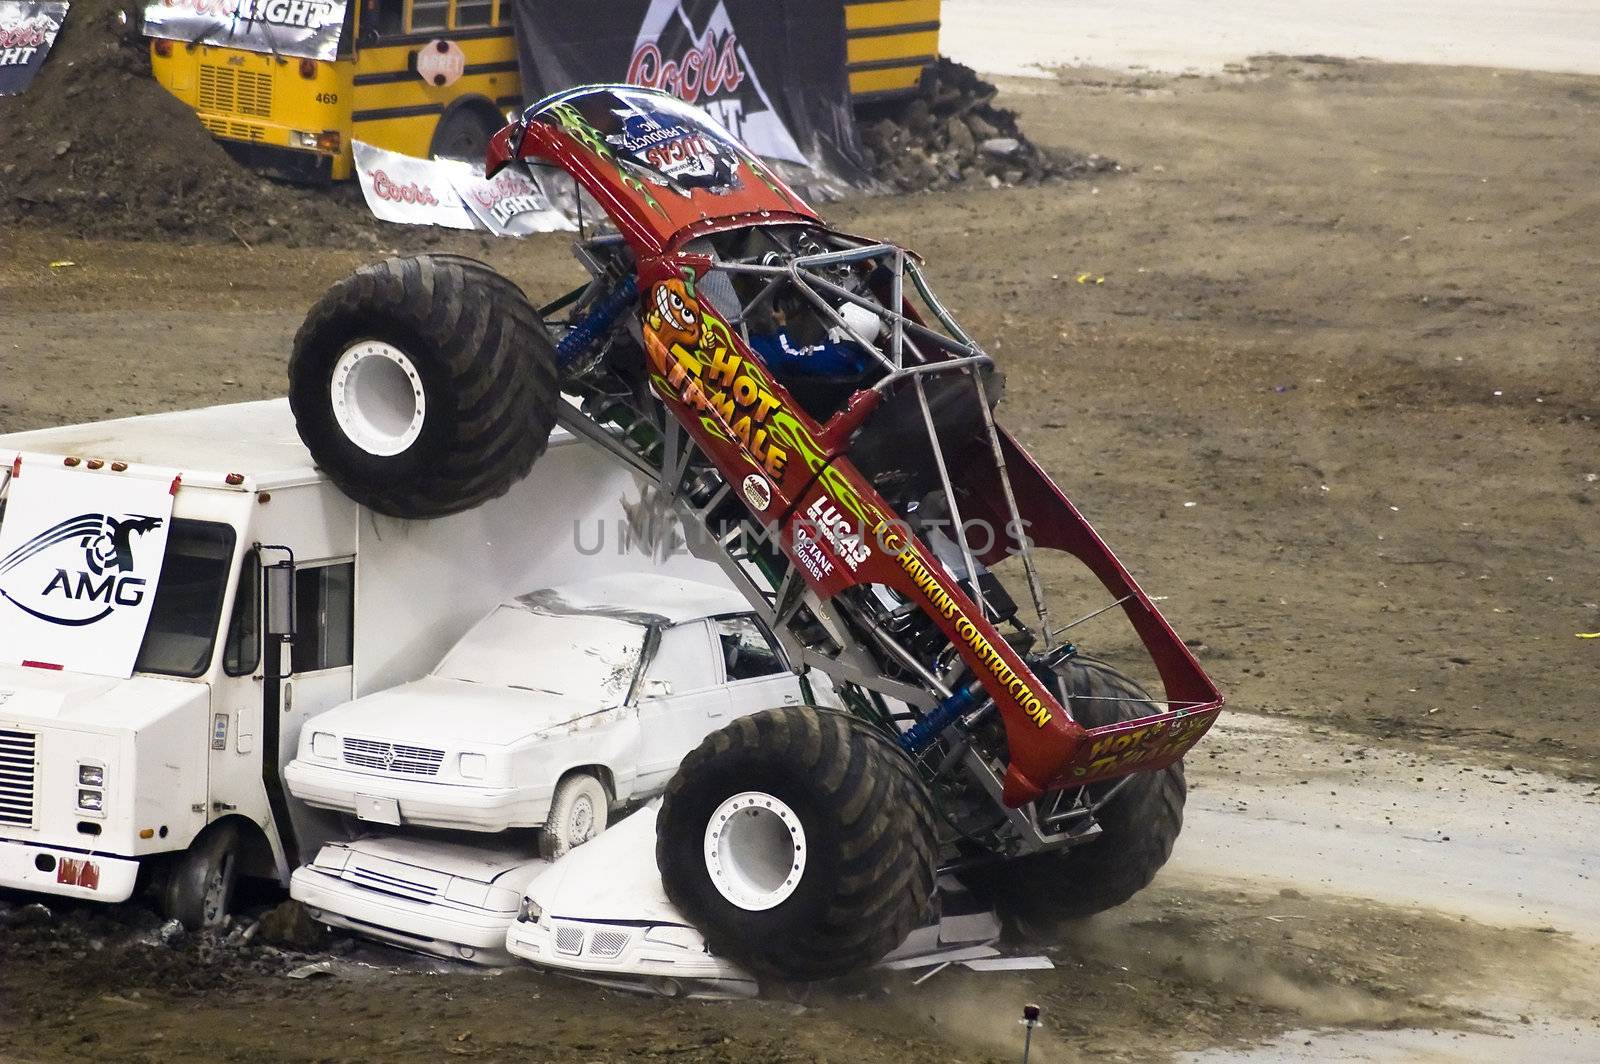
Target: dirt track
[1348, 313]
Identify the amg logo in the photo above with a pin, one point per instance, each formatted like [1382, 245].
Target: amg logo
[127, 591]
[69, 594]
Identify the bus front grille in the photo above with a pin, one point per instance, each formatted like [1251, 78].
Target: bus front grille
[18, 764]
[221, 127]
[235, 92]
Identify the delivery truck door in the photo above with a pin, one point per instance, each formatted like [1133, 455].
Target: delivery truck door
[322, 656]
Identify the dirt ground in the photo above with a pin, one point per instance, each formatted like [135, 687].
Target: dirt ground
[1336, 399]
[1174, 970]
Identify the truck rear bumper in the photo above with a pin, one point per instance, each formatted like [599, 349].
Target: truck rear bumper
[452, 932]
[432, 805]
[68, 873]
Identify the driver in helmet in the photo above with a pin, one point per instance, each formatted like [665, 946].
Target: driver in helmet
[837, 353]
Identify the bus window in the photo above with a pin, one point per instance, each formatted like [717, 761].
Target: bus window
[382, 18]
[472, 13]
[424, 15]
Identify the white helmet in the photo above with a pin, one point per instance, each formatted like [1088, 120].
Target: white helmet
[862, 321]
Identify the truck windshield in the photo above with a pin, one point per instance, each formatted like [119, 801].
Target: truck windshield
[574, 655]
[188, 603]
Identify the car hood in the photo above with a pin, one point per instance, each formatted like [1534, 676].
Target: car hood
[506, 864]
[91, 701]
[612, 877]
[455, 714]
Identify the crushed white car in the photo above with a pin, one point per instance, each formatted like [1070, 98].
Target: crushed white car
[430, 896]
[558, 706]
[601, 915]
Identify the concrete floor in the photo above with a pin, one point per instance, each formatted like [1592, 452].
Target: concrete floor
[1192, 35]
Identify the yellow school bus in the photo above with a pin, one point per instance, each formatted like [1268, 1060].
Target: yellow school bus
[297, 117]
[889, 45]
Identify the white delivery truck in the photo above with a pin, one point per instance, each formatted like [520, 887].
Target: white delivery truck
[179, 592]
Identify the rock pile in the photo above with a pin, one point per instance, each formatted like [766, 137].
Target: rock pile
[951, 132]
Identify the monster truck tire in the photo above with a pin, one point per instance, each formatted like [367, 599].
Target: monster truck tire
[424, 386]
[1138, 826]
[800, 842]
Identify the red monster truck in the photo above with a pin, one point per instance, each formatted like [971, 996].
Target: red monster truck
[825, 429]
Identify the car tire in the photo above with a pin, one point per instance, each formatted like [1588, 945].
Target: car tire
[198, 889]
[424, 386]
[800, 842]
[1138, 825]
[579, 810]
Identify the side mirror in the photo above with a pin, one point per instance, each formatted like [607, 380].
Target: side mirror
[657, 688]
[279, 579]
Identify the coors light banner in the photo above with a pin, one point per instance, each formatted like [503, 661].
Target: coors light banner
[402, 188]
[305, 29]
[27, 30]
[771, 71]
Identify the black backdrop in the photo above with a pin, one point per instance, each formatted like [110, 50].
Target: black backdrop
[775, 69]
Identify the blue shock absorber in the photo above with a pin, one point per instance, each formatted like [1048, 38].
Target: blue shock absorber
[595, 324]
[926, 730]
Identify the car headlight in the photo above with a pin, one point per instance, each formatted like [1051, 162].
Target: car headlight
[529, 912]
[474, 766]
[93, 801]
[91, 775]
[324, 744]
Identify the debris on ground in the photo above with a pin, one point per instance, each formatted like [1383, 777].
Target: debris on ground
[132, 949]
[290, 926]
[314, 970]
[951, 133]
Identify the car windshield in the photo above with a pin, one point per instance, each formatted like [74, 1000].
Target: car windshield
[188, 603]
[573, 655]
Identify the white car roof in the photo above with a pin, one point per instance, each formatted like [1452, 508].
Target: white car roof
[643, 597]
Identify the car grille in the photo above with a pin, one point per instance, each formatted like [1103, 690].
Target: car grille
[608, 944]
[569, 940]
[18, 759]
[235, 92]
[391, 884]
[604, 945]
[394, 758]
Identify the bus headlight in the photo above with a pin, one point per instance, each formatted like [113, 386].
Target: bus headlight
[92, 801]
[91, 775]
